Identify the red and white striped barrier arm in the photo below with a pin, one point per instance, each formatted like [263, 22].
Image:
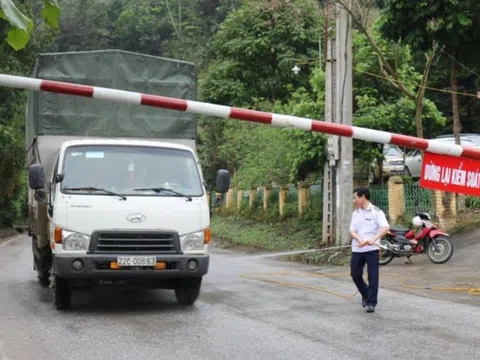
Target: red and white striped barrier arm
[238, 113]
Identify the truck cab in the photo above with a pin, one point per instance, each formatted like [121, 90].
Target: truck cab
[123, 212]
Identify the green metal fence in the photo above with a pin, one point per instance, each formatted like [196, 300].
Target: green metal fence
[379, 196]
[413, 194]
[292, 194]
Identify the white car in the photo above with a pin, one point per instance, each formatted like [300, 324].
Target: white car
[464, 136]
[393, 164]
[413, 161]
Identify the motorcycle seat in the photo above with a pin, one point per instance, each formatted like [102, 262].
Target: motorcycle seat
[403, 240]
[400, 231]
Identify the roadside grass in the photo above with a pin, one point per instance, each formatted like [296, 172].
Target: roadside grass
[288, 234]
[251, 235]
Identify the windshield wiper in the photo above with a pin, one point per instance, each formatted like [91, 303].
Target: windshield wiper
[160, 189]
[91, 188]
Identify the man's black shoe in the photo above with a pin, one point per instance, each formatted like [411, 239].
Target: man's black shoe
[370, 309]
[364, 302]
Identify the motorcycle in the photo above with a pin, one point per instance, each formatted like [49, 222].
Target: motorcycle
[406, 242]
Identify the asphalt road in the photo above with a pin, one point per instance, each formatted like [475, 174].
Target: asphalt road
[249, 308]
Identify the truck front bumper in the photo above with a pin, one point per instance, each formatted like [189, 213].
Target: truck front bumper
[98, 266]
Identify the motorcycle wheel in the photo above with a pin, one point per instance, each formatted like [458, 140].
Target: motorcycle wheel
[385, 256]
[444, 250]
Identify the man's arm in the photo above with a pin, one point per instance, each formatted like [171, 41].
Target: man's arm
[356, 236]
[381, 233]
[353, 233]
[384, 227]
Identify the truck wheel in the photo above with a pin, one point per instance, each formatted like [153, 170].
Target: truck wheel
[188, 290]
[62, 294]
[42, 262]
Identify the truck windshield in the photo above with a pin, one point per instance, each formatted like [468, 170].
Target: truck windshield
[131, 170]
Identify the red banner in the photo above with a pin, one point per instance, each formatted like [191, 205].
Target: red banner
[450, 173]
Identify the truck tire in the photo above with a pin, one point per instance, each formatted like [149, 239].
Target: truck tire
[62, 294]
[188, 290]
[42, 262]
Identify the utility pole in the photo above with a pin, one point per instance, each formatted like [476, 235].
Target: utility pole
[338, 172]
[344, 116]
[329, 172]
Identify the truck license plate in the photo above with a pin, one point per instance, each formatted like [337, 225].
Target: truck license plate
[136, 260]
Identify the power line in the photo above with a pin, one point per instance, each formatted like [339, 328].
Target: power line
[307, 61]
[419, 86]
[461, 64]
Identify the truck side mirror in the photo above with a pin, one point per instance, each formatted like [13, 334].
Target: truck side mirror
[223, 181]
[36, 177]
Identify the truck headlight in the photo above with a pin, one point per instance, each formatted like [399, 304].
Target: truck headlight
[192, 241]
[73, 241]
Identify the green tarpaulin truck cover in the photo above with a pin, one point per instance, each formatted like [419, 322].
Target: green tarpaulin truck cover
[66, 115]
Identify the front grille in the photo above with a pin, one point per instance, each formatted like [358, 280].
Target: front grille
[396, 162]
[106, 242]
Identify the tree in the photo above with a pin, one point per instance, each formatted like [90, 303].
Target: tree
[20, 26]
[255, 50]
[380, 106]
[178, 29]
[359, 10]
[84, 25]
[309, 152]
[453, 24]
[257, 46]
[12, 103]
[143, 26]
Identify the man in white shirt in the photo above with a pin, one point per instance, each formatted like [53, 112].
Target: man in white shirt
[368, 225]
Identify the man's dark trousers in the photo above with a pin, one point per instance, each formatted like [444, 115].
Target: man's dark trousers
[358, 261]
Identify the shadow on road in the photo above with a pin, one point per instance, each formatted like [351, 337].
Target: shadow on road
[117, 301]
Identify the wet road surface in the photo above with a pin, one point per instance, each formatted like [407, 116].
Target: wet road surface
[249, 308]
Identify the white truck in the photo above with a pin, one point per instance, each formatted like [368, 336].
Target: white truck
[117, 195]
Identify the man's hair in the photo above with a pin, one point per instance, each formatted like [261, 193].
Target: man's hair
[362, 191]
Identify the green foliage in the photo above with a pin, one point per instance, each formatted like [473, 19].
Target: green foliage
[455, 26]
[12, 104]
[449, 22]
[11, 185]
[310, 147]
[265, 154]
[84, 25]
[143, 26]
[21, 26]
[51, 13]
[262, 155]
[380, 106]
[472, 202]
[255, 49]
[174, 28]
[12, 111]
[257, 45]
[230, 80]
[287, 234]
[12, 158]
[14, 206]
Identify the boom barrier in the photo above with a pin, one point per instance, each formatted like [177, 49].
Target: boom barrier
[222, 111]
